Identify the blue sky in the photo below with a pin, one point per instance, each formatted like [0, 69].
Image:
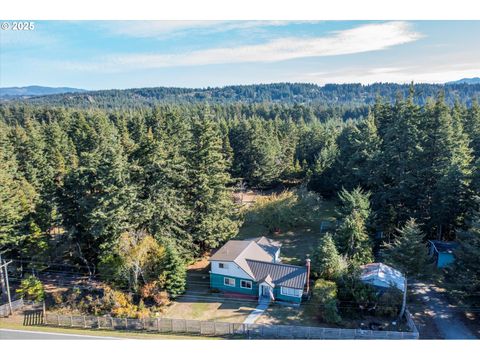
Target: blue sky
[125, 54]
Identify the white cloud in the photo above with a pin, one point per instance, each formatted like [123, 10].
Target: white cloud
[433, 73]
[361, 39]
[168, 28]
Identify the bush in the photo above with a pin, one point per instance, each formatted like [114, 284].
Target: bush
[356, 295]
[325, 293]
[31, 289]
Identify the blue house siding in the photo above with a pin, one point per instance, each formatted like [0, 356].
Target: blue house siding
[278, 296]
[445, 259]
[217, 282]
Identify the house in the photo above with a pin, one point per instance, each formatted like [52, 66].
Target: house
[442, 252]
[252, 267]
[382, 276]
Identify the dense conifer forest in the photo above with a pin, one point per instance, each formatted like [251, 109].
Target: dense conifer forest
[132, 184]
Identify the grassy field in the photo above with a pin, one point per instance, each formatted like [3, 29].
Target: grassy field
[298, 242]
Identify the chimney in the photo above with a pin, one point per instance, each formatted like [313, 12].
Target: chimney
[307, 264]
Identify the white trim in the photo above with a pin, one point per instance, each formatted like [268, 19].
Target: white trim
[295, 292]
[246, 287]
[229, 278]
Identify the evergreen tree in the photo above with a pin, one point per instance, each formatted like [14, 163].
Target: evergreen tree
[408, 251]
[212, 208]
[17, 199]
[175, 272]
[326, 262]
[97, 195]
[158, 173]
[352, 237]
[466, 269]
[472, 127]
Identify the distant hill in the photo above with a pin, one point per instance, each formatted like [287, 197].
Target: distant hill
[29, 91]
[474, 80]
[337, 95]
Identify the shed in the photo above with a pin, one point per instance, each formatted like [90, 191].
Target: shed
[442, 252]
[382, 276]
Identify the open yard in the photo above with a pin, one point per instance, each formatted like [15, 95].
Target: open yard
[296, 243]
[199, 303]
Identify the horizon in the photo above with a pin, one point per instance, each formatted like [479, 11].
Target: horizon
[458, 81]
[100, 55]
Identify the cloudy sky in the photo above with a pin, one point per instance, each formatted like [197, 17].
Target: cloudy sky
[125, 54]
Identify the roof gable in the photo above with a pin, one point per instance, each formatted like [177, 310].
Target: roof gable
[280, 274]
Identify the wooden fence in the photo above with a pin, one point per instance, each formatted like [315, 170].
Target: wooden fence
[224, 329]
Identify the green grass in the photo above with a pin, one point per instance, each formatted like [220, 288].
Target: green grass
[198, 309]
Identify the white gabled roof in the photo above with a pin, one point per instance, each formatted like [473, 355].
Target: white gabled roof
[381, 275]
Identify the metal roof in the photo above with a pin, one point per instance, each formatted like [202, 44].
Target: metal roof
[230, 251]
[281, 274]
[381, 275]
[269, 245]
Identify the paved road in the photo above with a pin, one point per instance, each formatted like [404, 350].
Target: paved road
[7, 334]
[444, 315]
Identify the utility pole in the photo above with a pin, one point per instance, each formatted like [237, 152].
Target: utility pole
[404, 301]
[5, 284]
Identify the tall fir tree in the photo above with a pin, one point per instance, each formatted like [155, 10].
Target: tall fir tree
[408, 251]
[213, 219]
[352, 236]
[326, 261]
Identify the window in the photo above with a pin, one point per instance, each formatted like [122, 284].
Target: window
[228, 281]
[290, 292]
[222, 266]
[246, 284]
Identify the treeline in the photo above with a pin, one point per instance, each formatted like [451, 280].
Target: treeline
[351, 95]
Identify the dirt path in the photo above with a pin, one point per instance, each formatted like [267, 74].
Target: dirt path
[435, 316]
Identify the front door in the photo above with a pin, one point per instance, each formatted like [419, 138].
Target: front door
[265, 290]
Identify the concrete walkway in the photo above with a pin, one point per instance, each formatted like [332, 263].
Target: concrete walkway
[255, 314]
[445, 315]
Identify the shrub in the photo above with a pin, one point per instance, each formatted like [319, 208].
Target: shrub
[325, 293]
[31, 289]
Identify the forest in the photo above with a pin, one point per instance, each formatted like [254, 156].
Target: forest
[134, 195]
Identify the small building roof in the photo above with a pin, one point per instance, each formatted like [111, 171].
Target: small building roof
[381, 275]
[280, 274]
[444, 246]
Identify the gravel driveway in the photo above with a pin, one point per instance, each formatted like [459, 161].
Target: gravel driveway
[437, 311]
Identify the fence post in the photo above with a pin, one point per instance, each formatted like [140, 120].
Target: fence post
[214, 329]
[126, 323]
[158, 325]
[71, 321]
[58, 320]
[84, 322]
[98, 322]
[111, 322]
